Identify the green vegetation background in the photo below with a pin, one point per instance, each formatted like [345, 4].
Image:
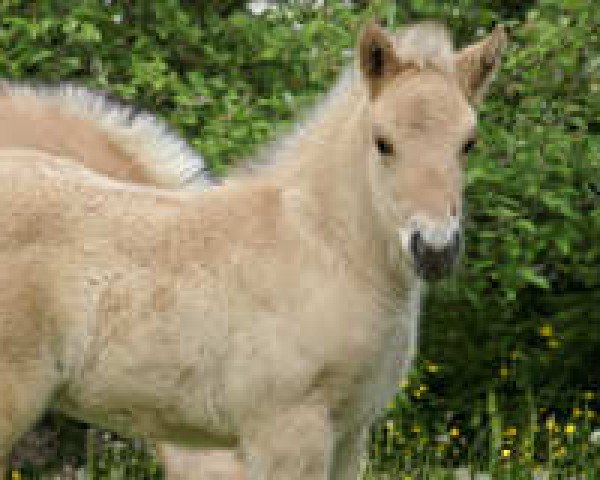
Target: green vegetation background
[522, 317]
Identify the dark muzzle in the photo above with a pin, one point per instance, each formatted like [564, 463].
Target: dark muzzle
[434, 261]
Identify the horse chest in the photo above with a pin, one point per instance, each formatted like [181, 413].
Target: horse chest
[391, 359]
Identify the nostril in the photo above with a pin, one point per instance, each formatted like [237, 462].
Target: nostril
[456, 241]
[415, 244]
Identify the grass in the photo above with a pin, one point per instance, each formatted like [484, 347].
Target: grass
[546, 446]
[542, 449]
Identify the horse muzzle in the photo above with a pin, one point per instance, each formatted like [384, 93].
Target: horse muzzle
[434, 257]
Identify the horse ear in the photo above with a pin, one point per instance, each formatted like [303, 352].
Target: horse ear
[477, 64]
[377, 59]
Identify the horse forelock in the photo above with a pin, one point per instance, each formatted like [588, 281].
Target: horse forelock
[426, 45]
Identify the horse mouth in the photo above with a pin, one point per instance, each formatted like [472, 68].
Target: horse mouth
[432, 272]
[434, 262]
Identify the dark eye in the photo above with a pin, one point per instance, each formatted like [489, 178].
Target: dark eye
[468, 146]
[385, 148]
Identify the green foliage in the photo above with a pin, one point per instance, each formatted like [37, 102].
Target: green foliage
[532, 253]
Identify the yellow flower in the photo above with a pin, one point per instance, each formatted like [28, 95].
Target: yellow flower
[16, 475]
[588, 395]
[553, 343]
[503, 372]
[423, 387]
[576, 412]
[505, 453]
[546, 330]
[416, 428]
[432, 367]
[550, 423]
[511, 431]
[570, 428]
[591, 414]
[454, 432]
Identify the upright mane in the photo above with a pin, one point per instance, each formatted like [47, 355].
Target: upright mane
[426, 45]
[165, 157]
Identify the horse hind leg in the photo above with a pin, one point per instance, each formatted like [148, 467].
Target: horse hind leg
[25, 391]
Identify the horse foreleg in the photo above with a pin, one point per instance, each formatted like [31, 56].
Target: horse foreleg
[184, 464]
[291, 445]
[348, 450]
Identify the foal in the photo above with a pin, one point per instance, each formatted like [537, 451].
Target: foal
[274, 314]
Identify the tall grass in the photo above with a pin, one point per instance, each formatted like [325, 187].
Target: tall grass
[547, 446]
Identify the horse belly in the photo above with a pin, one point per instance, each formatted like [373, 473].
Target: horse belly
[160, 404]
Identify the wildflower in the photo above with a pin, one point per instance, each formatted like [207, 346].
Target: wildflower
[591, 414]
[570, 428]
[511, 431]
[576, 412]
[432, 367]
[505, 452]
[550, 423]
[416, 428]
[454, 432]
[546, 330]
[588, 395]
[16, 475]
[503, 372]
[553, 343]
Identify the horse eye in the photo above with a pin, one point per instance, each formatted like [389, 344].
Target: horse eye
[468, 146]
[385, 148]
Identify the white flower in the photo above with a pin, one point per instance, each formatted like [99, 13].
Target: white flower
[595, 437]
[258, 7]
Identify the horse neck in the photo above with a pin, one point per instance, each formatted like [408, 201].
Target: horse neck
[327, 172]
